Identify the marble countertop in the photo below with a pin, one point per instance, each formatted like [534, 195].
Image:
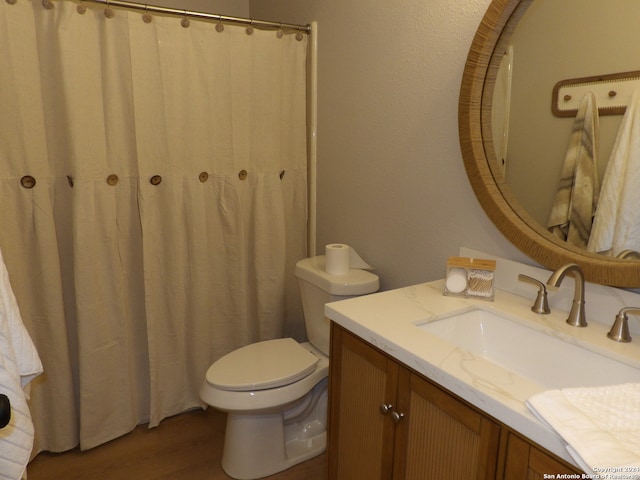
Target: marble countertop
[388, 321]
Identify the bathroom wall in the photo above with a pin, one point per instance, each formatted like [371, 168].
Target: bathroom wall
[391, 181]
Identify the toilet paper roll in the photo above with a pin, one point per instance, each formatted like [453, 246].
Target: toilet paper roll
[339, 258]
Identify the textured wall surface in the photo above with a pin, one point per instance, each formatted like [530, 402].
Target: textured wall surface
[391, 181]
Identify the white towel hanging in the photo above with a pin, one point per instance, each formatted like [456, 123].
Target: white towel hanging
[19, 364]
[574, 205]
[617, 221]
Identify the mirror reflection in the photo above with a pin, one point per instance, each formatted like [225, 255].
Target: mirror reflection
[553, 42]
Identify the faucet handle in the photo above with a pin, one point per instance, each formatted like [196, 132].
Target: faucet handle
[541, 305]
[620, 329]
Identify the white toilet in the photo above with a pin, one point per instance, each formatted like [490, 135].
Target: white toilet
[275, 392]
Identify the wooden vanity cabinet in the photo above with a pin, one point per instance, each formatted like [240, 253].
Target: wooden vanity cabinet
[361, 439]
[388, 422]
[525, 461]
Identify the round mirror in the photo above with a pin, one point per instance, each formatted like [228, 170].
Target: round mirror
[477, 117]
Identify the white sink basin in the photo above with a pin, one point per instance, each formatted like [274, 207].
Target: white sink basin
[542, 358]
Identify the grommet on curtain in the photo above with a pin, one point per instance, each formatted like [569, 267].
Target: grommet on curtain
[81, 9]
[299, 36]
[70, 180]
[242, 175]
[48, 4]
[219, 26]
[112, 179]
[203, 177]
[155, 180]
[280, 32]
[12, 2]
[282, 174]
[185, 21]
[28, 181]
[146, 16]
[249, 29]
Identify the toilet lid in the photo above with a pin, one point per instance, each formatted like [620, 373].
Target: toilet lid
[262, 365]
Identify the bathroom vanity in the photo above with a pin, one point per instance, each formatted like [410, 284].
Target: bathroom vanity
[419, 430]
[408, 401]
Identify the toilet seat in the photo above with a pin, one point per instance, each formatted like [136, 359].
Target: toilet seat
[261, 366]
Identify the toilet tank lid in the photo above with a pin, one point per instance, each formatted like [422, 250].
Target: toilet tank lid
[355, 282]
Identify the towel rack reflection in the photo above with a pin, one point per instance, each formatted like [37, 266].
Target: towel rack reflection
[613, 92]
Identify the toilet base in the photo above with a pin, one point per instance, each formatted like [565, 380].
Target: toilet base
[257, 446]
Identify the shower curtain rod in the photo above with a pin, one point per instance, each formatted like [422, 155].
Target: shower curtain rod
[209, 16]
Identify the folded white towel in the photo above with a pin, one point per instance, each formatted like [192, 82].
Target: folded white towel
[19, 364]
[601, 425]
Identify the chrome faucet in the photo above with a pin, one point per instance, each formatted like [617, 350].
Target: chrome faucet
[620, 329]
[576, 317]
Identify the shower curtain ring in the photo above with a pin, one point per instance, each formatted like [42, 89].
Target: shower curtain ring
[219, 26]
[185, 21]
[107, 11]
[146, 16]
[280, 32]
[249, 29]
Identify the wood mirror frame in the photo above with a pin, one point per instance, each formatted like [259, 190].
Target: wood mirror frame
[478, 153]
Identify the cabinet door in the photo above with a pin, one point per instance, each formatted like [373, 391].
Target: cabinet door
[360, 436]
[524, 461]
[440, 436]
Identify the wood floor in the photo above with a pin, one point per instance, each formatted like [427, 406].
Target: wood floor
[187, 446]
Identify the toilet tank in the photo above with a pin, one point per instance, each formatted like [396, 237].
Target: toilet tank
[318, 287]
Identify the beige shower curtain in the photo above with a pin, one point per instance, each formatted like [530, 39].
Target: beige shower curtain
[153, 190]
